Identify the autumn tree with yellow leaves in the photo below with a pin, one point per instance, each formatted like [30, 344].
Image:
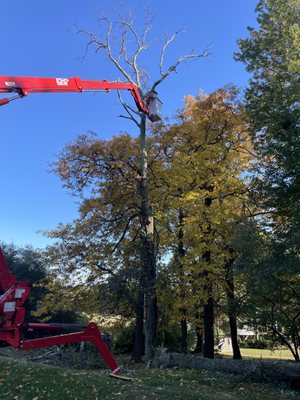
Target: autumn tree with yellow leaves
[201, 190]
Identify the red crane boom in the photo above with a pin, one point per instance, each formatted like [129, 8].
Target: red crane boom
[23, 86]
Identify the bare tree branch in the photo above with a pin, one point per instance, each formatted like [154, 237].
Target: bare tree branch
[141, 45]
[123, 46]
[168, 41]
[135, 74]
[106, 46]
[129, 111]
[124, 232]
[172, 68]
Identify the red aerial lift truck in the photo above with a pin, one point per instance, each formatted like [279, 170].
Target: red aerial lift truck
[14, 294]
[13, 327]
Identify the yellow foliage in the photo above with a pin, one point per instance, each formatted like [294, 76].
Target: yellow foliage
[201, 178]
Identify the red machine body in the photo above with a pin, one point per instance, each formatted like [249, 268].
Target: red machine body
[23, 86]
[13, 327]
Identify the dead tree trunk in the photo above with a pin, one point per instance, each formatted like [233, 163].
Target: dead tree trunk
[148, 256]
[138, 345]
[126, 63]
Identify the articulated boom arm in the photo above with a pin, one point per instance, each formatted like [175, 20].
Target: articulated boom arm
[23, 86]
[13, 326]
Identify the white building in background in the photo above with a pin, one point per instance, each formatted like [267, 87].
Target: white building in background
[225, 345]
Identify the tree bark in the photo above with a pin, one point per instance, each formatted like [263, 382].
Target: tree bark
[199, 333]
[181, 255]
[148, 261]
[138, 345]
[234, 337]
[183, 337]
[257, 371]
[148, 256]
[286, 342]
[199, 343]
[232, 310]
[208, 346]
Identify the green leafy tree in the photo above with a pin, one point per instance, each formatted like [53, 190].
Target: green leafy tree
[268, 285]
[272, 56]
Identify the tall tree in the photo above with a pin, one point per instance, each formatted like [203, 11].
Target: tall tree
[272, 56]
[102, 173]
[204, 157]
[125, 57]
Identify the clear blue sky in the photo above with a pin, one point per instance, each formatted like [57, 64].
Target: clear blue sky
[39, 38]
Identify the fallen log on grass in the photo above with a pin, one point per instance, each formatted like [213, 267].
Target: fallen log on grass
[282, 372]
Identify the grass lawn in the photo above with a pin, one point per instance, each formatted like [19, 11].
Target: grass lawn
[249, 354]
[23, 380]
